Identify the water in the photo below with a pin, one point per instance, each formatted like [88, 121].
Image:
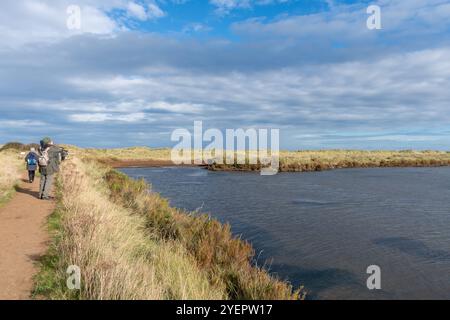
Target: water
[323, 229]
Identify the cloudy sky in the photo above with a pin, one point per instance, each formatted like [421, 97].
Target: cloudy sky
[137, 70]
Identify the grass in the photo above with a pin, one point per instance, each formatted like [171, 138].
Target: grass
[290, 161]
[227, 260]
[9, 174]
[130, 244]
[133, 153]
[118, 258]
[299, 161]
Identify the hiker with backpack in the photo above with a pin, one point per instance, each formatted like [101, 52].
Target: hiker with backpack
[32, 161]
[49, 160]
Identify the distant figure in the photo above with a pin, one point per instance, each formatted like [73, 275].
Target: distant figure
[32, 161]
[49, 160]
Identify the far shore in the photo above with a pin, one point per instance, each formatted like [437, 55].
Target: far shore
[150, 163]
[117, 164]
[290, 161]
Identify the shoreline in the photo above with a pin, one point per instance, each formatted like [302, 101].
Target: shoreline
[252, 168]
[317, 167]
[290, 161]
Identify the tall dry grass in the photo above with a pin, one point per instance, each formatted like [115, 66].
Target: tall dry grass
[227, 260]
[132, 153]
[130, 244]
[10, 173]
[117, 256]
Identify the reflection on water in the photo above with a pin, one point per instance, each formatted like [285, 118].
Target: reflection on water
[323, 229]
[414, 247]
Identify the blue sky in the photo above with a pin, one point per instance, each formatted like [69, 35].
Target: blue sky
[137, 70]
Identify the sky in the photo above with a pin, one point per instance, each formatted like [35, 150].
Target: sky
[137, 70]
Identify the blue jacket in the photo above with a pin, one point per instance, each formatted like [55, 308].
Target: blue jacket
[29, 166]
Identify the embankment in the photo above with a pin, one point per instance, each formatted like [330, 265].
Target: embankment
[130, 244]
[303, 161]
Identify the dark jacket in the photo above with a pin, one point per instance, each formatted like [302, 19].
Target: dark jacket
[29, 155]
[54, 156]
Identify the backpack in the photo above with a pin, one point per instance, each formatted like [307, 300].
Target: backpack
[32, 159]
[44, 158]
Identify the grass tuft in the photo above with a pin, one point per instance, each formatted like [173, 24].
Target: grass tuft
[9, 174]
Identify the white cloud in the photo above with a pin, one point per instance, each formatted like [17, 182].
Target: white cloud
[179, 107]
[155, 12]
[285, 75]
[137, 11]
[399, 89]
[196, 27]
[151, 12]
[123, 111]
[95, 21]
[402, 137]
[107, 117]
[369, 137]
[21, 123]
[226, 6]
[29, 21]
[348, 22]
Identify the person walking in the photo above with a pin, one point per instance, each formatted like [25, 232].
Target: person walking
[32, 161]
[49, 161]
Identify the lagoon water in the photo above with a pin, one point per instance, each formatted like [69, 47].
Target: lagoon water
[323, 229]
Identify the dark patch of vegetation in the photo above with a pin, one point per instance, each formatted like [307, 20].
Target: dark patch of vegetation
[317, 165]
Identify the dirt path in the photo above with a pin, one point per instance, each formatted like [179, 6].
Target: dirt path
[23, 240]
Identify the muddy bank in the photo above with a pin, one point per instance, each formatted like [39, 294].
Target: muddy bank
[313, 165]
[284, 167]
[319, 166]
